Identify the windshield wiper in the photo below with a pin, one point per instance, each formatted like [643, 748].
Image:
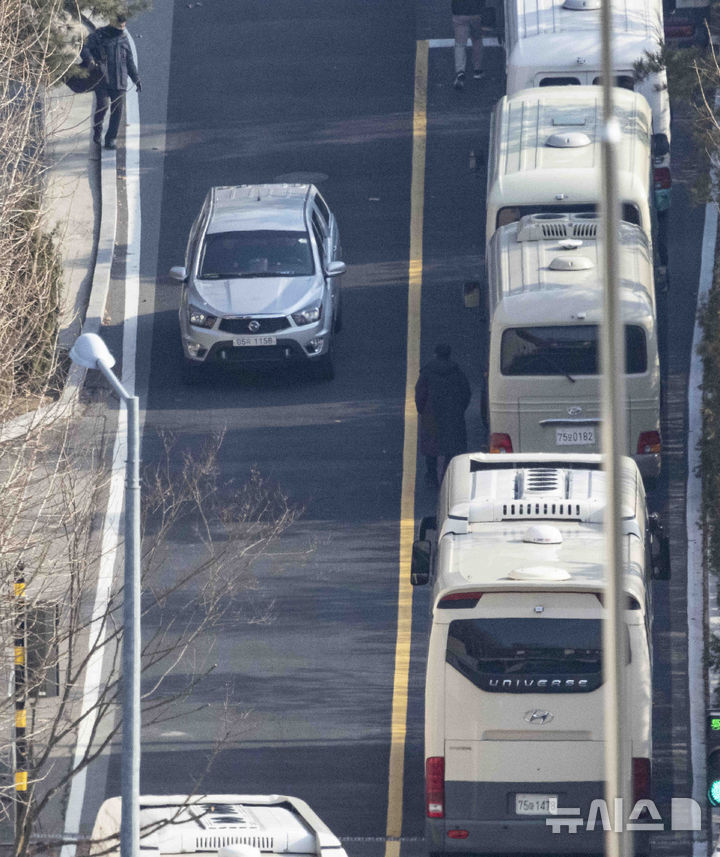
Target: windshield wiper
[539, 342]
[555, 365]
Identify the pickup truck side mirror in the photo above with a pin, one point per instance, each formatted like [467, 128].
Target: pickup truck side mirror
[335, 269]
[420, 562]
[659, 549]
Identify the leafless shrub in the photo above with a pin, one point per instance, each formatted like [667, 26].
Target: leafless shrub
[185, 598]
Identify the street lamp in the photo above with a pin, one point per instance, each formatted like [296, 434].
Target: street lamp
[91, 352]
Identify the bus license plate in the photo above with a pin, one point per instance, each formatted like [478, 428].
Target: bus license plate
[247, 341]
[574, 436]
[526, 804]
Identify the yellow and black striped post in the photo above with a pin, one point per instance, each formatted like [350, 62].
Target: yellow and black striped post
[20, 691]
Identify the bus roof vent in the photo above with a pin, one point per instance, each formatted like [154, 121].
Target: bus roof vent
[533, 493]
[542, 534]
[582, 5]
[539, 573]
[548, 481]
[536, 227]
[568, 140]
[586, 229]
[571, 263]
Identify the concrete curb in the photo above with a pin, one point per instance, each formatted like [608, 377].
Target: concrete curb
[64, 406]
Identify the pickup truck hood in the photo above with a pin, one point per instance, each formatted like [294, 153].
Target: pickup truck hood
[258, 295]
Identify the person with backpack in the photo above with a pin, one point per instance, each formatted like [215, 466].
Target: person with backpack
[109, 49]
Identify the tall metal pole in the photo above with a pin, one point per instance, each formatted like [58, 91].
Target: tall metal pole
[617, 842]
[130, 766]
[91, 352]
[130, 771]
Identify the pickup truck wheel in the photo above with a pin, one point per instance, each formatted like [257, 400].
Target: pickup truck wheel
[325, 365]
[192, 373]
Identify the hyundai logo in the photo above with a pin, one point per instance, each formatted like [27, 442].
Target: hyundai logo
[254, 326]
[574, 411]
[538, 716]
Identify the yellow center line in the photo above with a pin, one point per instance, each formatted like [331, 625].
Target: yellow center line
[407, 501]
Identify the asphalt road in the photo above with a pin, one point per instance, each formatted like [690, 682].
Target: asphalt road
[252, 91]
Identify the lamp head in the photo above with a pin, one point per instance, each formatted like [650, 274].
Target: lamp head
[91, 352]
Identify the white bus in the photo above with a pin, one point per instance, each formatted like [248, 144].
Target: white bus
[545, 301]
[514, 684]
[223, 825]
[554, 42]
[545, 153]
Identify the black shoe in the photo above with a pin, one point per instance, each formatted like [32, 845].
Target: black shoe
[96, 138]
[478, 74]
[459, 81]
[110, 144]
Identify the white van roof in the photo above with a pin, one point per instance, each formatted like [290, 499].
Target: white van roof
[271, 824]
[549, 268]
[554, 16]
[637, 25]
[533, 521]
[547, 141]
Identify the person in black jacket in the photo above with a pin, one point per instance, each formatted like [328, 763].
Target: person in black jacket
[109, 49]
[442, 395]
[468, 16]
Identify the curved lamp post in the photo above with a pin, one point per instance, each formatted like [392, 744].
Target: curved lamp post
[91, 352]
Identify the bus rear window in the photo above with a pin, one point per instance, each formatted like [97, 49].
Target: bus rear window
[512, 213]
[560, 81]
[570, 349]
[529, 655]
[624, 81]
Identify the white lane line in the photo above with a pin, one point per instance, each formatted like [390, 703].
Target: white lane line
[96, 644]
[488, 42]
[695, 564]
[115, 507]
[132, 269]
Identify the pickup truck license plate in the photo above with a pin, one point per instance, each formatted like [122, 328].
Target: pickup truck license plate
[245, 341]
[526, 804]
[574, 436]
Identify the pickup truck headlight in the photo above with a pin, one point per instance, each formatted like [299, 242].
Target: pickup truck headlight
[200, 318]
[309, 315]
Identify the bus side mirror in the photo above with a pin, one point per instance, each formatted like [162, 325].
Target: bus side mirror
[427, 524]
[660, 145]
[659, 549]
[420, 562]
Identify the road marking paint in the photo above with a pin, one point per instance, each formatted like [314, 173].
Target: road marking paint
[407, 501]
[96, 639]
[115, 506]
[488, 42]
[693, 518]
[132, 264]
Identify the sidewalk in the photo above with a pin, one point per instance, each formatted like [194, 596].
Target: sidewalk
[81, 208]
[84, 238]
[73, 201]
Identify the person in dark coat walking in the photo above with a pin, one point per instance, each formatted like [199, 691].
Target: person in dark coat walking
[109, 49]
[442, 395]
